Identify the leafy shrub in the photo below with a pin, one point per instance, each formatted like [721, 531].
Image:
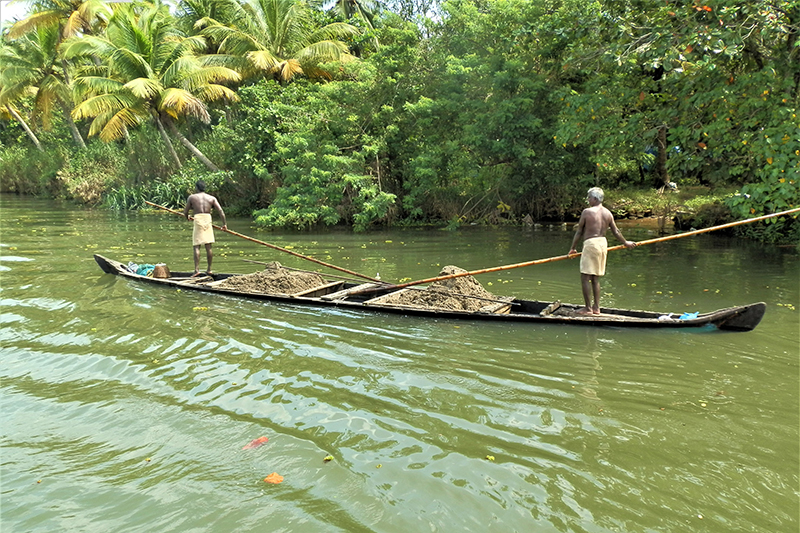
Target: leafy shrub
[27, 171]
[772, 195]
[322, 186]
[88, 174]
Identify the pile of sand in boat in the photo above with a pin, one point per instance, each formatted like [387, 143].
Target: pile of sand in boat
[463, 293]
[274, 279]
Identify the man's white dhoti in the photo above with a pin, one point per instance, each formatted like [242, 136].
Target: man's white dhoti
[593, 256]
[203, 232]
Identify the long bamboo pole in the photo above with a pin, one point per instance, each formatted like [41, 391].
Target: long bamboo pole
[561, 257]
[275, 247]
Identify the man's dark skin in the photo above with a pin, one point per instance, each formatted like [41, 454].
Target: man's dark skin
[202, 202]
[595, 221]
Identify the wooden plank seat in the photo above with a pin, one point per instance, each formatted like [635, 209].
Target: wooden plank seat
[191, 280]
[502, 307]
[341, 295]
[550, 309]
[318, 291]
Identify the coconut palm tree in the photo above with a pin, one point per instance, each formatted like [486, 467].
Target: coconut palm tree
[7, 109]
[10, 111]
[49, 23]
[363, 9]
[72, 17]
[280, 40]
[31, 66]
[194, 15]
[149, 72]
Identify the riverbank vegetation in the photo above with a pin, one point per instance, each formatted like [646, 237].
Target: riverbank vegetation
[361, 113]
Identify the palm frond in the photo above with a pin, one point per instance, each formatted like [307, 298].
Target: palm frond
[336, 30]
[194, 44]
[33, 22]
[97, 105]
[232, 41]
[178, 102]
[95, 10]
[89, 86]
[54, 85]
[316, 73]
[323, 51]
[236, 63]
[129, 64]
[86, 46]
[117, 124]
[263, 60]
[204, 76]
[74, 24]
[216, 93]
[177, 69]
[144, 88]
[15, 82]
[289, 69]
[43, 106]
[99, 123]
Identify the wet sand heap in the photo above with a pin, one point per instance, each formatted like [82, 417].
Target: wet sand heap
[455, 294]
[273, 279]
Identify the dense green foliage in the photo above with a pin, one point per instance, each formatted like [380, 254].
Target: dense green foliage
[493, 111]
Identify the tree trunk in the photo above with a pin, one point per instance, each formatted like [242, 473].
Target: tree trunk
[24, 125]
[166, 140]
[661, 158]
[76, 135]
[192, 148]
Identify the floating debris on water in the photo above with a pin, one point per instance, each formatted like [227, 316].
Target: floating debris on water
[273, 478]
[255, 443]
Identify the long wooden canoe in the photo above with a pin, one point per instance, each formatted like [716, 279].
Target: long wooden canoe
[346, 294]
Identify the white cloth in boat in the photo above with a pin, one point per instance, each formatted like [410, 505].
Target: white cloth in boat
[203, 232]
[593, 256]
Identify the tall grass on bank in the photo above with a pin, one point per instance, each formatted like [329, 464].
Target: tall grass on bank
[171, 192]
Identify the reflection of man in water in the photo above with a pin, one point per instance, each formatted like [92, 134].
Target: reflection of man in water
[595, 221]
[202, 204]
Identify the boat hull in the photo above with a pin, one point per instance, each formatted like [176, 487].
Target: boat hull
[350, 296]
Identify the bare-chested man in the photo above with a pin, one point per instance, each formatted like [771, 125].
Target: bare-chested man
[594, 223]
[202, 204]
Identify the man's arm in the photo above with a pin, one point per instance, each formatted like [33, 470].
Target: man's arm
[188, 206]
[578, 233]
[618, 234]
[221, 213]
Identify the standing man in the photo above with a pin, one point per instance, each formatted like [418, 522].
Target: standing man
[594, 223]
[202, 204]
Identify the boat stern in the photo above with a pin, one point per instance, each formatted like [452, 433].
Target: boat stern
[107, 265]
[746, 318]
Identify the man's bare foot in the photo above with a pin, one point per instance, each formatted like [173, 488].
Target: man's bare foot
[195, 274]
[596, 311]
[583, 311]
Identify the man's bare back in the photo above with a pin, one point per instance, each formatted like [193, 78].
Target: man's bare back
[596, 222]
[201, 202]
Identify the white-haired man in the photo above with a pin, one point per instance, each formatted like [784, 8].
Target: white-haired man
[595, 221]
[201, 203]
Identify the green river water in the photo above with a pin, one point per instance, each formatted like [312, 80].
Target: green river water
[125, 406]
